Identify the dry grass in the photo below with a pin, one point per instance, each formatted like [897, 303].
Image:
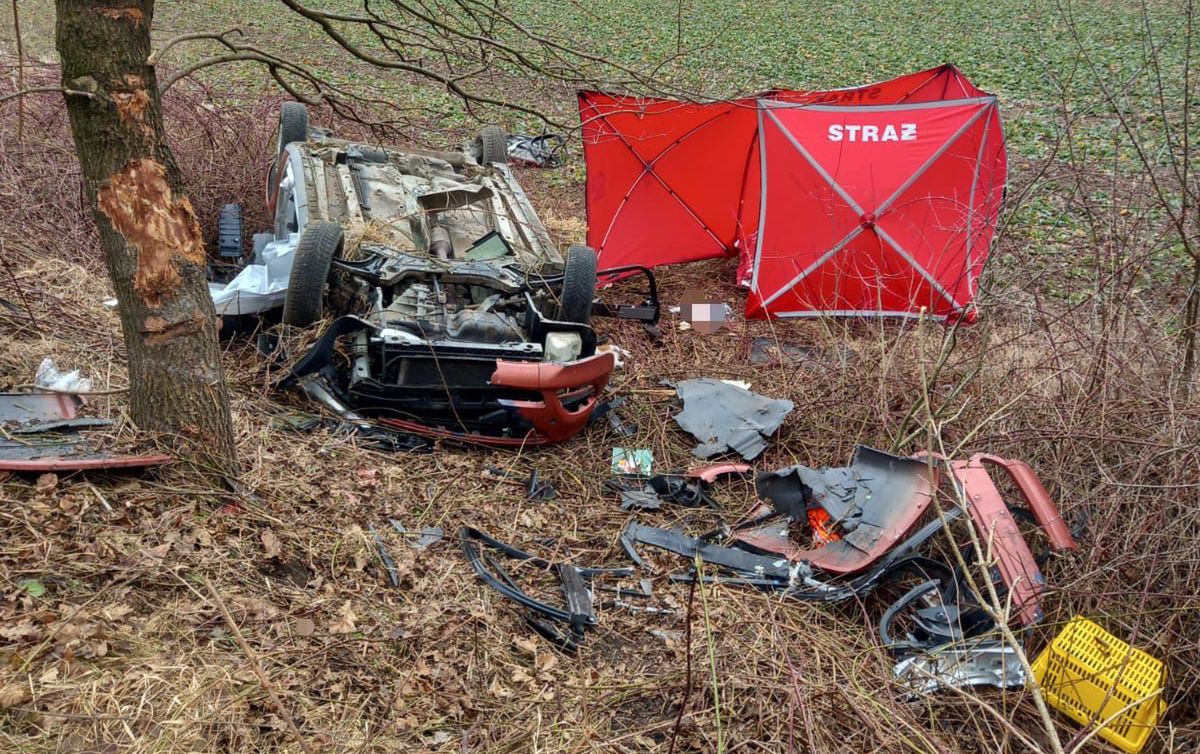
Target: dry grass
[129, 650]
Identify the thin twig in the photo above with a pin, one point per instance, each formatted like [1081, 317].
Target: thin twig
[256, 666]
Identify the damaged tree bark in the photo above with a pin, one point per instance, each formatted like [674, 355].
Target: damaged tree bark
[148, 230]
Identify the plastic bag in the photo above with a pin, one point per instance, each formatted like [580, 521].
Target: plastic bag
[49, 377]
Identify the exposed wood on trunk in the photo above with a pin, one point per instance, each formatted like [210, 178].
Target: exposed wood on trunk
[148, 230]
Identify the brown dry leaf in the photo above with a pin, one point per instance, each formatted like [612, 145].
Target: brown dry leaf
[305, 627]
[498, 690]
[46, 483]
[23, 630]
[271, 543]
[521, 675]
[11, 696]
[344, 623]
[160, 551]
[526, 645]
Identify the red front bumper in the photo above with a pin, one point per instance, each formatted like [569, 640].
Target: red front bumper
[555, 382]
[551, 420]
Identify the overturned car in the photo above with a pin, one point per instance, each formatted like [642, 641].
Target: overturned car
[453, 311]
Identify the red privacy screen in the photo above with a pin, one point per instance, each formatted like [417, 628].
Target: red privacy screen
[879, 210]
[671, 182]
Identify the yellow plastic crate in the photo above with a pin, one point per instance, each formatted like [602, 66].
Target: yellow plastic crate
[1092, 676]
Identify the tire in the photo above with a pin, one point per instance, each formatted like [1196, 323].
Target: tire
[579, 286]
[319, 243]
[293, 125]
[491, 145]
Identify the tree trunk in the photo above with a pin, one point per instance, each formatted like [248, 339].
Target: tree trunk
[148, 230]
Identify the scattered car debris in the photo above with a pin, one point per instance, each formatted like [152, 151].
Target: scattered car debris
[639, 499]
[24, 409]
[423, 539]
[40, 432]
[648, 493]
[579, 614]
[714, 471]
[860, 522]
[368, 435]
[536, 488]
[637, 461]
[978, 663]
[856, 513]
[543, 151]
[727, 418]
[608, 412]
[995, 522]
[389, 563]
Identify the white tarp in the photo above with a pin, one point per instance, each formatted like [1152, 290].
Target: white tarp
[260, 285]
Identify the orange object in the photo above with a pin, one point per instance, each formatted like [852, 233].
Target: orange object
[823, 533]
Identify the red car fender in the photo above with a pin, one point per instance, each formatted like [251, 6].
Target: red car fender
[555, 382]
[998, 529]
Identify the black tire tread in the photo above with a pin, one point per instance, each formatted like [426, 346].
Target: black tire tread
[319, 243]
[293, 123]
[491, 145]
[579, 285]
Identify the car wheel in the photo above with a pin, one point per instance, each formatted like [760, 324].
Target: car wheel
[319, 243]
[491, 145]
[579, 285]
[293, 125]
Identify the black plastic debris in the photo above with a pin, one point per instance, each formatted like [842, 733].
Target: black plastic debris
[536, 487]
[421, 539]
[649, 493]
[725, 417]
[607, 411]
[639, 499]
[389, 563]
[579, 614]
[543, 151]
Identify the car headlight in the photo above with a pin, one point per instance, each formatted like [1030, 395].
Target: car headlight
[563, 346]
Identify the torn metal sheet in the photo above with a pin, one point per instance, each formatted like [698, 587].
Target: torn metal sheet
[67, 453]
[62, 425]
[41, 433]
[727, 418]
[30, 408]
[870, 505]
[984, 663]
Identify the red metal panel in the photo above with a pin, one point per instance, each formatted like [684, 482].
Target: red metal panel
[83, 462]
